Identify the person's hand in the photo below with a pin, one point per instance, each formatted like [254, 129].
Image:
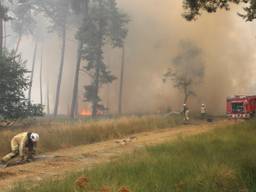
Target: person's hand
[33, 152]
[22, 158]
[29, 160]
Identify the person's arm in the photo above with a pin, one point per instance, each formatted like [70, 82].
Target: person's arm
[33, 149]
[31, 152]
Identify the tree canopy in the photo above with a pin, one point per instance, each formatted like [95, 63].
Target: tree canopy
[186, 70]
[23, 21]
[194, 8]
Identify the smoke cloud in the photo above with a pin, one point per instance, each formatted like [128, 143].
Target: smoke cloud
[155, 30]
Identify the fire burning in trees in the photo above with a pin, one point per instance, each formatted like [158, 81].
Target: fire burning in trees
[85, 112]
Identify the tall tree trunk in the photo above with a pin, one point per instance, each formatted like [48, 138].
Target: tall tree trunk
[96, 90]
[185, 95]
[41, 80]
[5, 36]
[97, 70]
[1, 31]
[121, 82]
[74, 104]
[32, 72]
[60, 71]
[107, 99]
[48, 100]
[76, 81]
[18, 43]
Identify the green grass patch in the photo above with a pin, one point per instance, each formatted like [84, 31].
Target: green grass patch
[222, 160]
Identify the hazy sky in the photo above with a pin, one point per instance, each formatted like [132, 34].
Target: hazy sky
[155, 30]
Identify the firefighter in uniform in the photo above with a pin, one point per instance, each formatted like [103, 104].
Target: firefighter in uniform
[203, 111]
[185, 112]
[19, 143]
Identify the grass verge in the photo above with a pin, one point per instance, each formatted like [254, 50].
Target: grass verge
[223, 160]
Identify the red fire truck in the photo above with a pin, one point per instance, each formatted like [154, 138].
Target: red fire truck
[239, 106]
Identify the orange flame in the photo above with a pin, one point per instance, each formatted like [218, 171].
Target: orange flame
[85, 112]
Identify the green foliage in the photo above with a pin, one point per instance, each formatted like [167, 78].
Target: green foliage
[23, 22]
[79, 5]
[187, 69]
[219, 161]
[4, 12]
[34, 110]
[13, 83]
[103, 24]
[194, 8]
[58, 12]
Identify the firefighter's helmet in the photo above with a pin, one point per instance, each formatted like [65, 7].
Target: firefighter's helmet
[34, 137]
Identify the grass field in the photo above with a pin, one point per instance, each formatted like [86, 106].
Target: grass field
[222, 160]
[64, 133]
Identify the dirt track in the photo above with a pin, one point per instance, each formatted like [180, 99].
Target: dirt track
[58, 163]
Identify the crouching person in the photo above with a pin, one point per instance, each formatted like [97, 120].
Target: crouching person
[20, 143]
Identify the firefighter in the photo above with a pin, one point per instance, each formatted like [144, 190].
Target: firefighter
[203, 111]
[185, 112]
[19, 143]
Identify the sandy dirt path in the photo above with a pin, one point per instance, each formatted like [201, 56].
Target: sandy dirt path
[60, 162]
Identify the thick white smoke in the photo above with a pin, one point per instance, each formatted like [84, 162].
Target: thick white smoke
[155, 30]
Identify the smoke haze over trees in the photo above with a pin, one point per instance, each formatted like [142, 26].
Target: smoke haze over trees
[152, 41]
[187, 70]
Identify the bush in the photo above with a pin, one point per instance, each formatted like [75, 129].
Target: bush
[14, 82]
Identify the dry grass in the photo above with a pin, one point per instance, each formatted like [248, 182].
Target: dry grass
[62, 134]
[124, 189]
[105, 189]
[81, 182]
[219, 161]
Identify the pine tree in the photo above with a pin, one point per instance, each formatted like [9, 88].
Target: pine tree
[81, 7]
[104, 24]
